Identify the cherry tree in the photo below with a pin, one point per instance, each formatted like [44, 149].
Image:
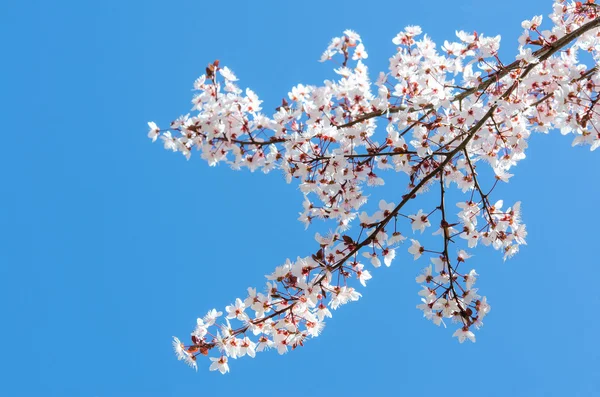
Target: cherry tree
[440, 116]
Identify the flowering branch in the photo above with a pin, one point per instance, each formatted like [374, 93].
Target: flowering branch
[442, 118]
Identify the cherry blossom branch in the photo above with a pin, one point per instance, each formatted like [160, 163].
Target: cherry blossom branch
[327, 140]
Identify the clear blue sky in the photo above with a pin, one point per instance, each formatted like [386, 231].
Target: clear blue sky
[110, 245]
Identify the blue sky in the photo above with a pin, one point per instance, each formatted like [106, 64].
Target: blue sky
[110, 245]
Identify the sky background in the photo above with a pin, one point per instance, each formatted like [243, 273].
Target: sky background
[110, 245]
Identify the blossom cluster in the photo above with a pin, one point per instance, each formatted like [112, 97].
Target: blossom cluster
[435, 116]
